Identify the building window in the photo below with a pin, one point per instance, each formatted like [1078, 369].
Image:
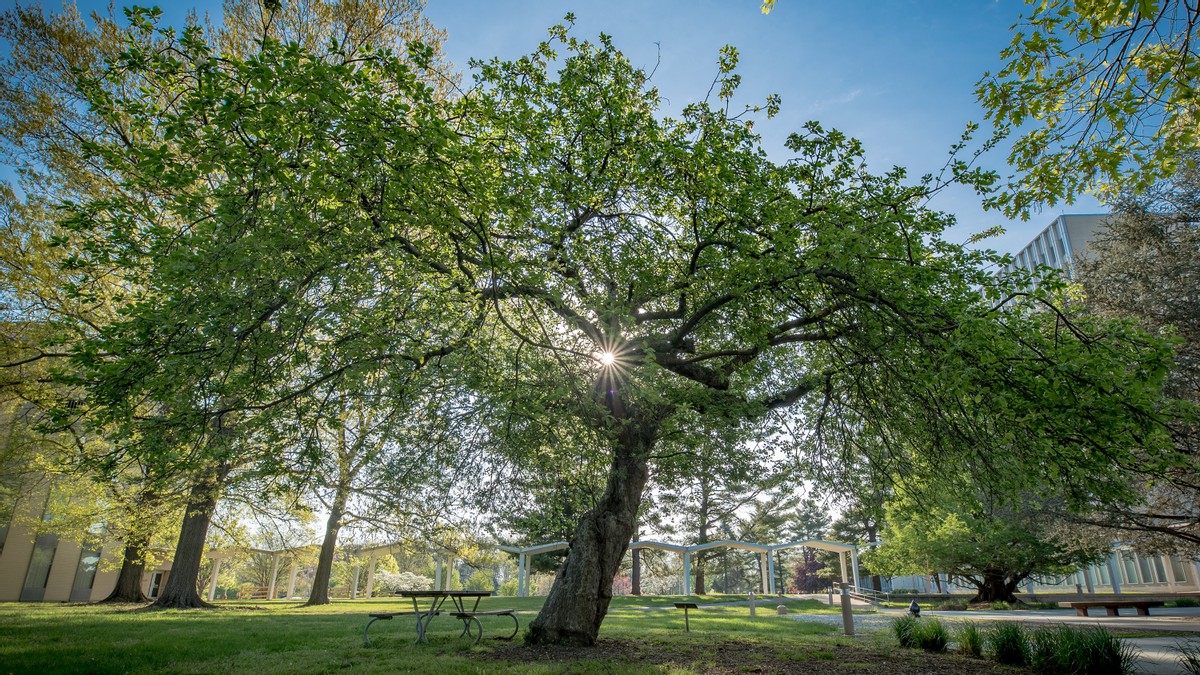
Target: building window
[155, 584]
[1179, 570]
[38, 573]
[85, 576]
[1129, 568]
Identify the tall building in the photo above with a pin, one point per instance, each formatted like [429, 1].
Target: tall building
[1058, 245]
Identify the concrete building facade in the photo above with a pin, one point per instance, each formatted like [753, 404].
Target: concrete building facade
[53, 567]
[1060, 243]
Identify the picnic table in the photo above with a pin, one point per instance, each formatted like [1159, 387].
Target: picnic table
[435, 601]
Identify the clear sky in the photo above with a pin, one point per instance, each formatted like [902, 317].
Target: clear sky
[897, 74]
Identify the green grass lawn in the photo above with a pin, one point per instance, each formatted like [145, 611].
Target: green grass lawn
[642, 634]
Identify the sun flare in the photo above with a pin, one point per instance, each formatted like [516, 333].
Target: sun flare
[607, 358]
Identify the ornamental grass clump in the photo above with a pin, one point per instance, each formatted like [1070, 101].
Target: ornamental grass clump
[1187, 655]
[903, 628]
[931, 635]
[1008, 644]
[970, 640]
[1090, 650]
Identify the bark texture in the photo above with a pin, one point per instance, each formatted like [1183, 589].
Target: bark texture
[579, 598]
[997, 588]
[320, 587]
[129, 579]
[180, 590]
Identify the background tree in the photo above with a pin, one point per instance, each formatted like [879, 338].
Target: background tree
[1099, 95]
[1144, 265]
[705, 476]
[992, 543]
[648, 266]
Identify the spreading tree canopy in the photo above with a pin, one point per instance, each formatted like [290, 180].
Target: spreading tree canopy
[647, 266]
[590, 263]
[1097, 94]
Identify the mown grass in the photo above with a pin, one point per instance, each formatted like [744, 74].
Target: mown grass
[283, 637]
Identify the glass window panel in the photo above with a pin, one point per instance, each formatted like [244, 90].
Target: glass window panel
[1129, 569]
[1179, 569]
[1160, 572]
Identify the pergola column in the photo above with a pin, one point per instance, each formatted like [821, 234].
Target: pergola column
[354, 580]
[522, 579]
[687, 573]
[1087, 579]
[437, 574]
[370, 575]
[292, 578]
[771, 572]
[762, 572]
[212, 586]
[274, 576]
[845, 574]
[854, 566]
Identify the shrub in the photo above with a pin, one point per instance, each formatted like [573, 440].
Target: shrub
[1000, 604]
[390, 582]
[1008, 644]
[904, 628]
[970, 640]
[930, 635]
[1067, 650]
[1188, 656]
[1186, 602]
[952, 607]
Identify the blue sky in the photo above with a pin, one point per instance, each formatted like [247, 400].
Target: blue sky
[897, 74]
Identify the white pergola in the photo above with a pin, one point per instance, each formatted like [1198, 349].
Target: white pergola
[766, 565]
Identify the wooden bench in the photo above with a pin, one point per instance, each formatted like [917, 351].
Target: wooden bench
[685, 606]
[387, 616]
[1111, 606]
[473, 617]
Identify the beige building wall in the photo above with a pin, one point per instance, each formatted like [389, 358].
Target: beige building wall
[62, 572]
[18, 545]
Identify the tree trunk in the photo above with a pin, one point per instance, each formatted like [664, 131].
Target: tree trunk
[582, 588]
[320, 586]
[180, 590]
[876, 580]
[996, 587]
[129, 580]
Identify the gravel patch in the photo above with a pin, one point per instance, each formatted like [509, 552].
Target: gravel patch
[862, 622]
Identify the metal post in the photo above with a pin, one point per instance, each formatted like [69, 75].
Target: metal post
[212, 587]
[847, 612]
[1112, 573]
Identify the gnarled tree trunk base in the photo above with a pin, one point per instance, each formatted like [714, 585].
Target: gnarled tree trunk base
[579, 598]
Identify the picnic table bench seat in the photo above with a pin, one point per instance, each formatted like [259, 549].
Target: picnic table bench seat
[473, 617]
[387, 616]
[1142, 607]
